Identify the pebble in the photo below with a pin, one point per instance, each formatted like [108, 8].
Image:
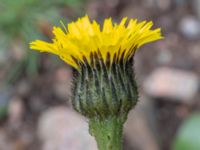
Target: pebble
[60, 128]
[172, 83]
[189, 26]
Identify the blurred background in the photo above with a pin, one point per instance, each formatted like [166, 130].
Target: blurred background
[35, 109]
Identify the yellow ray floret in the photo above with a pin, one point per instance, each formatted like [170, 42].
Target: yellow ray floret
[83, 37]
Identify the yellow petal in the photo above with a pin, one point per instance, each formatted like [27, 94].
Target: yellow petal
[84, 37]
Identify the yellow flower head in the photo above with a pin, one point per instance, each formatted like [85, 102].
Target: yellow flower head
[83, 39]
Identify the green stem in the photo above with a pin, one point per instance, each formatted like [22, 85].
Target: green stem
[108, 133]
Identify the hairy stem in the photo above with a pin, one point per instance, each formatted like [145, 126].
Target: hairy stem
[108, 133]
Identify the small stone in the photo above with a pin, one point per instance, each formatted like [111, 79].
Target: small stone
[60, 128]
[171, 83]
[190, 27]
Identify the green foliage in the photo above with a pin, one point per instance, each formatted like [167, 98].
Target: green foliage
[20, 19]
[188, 137]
